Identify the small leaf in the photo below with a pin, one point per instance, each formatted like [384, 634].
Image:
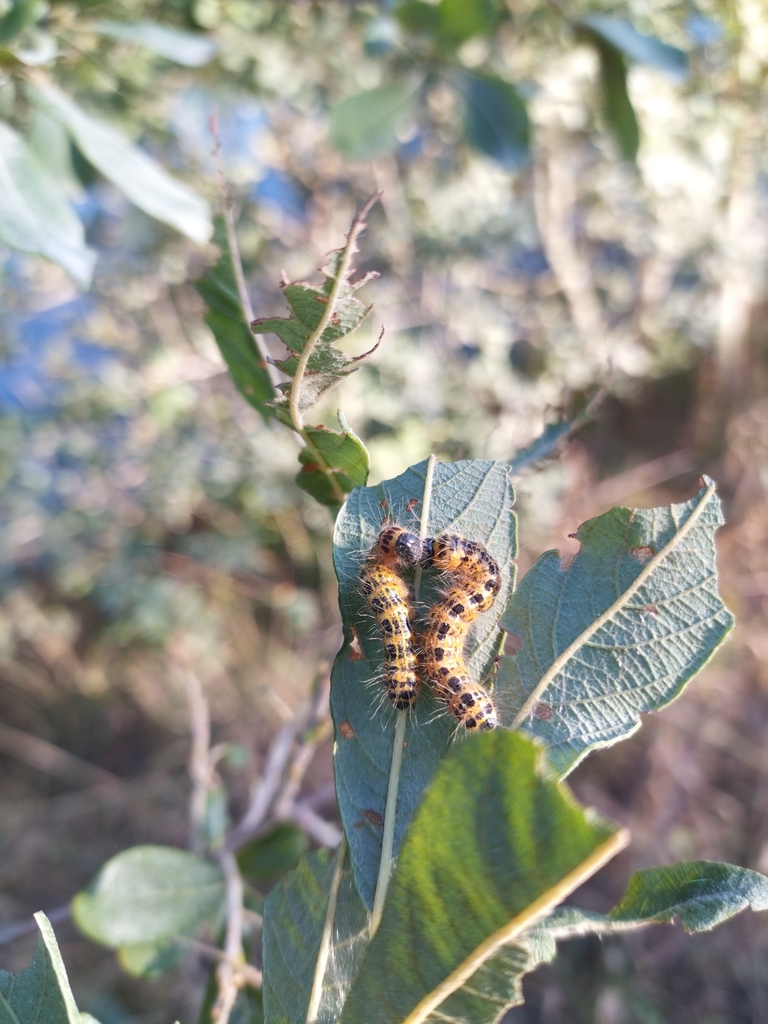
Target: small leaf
[459, 20]
[274, 853]
[192, 49]
[365, 126]
[344, 453]
[40, 993]
[475, 499]
[147, 960]
[148, 895]
[701, 894]
[418, 17]
[617, 632]
[617, 106]
[496, 119]
[327, 365]
[23, 14]
[494, 846]
[640, 48]
[135, 173]
[294, 917]
[34, 214]
[226, 320]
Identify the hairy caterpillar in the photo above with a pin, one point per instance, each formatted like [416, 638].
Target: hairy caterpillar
[476, 583]
[389, 597]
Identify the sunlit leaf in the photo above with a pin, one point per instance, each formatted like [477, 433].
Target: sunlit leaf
[618, 631]
[343, 453]
[638, 47]
[475, 499]
[494, 846]
[35, 216]
[40, 993]
[617, 106]
[21, 15]
[149, 894]
[134, 172]
[294, 917]
[459, 20]
[192, 49]
[496, 119]
[365, 125]
[226, 320]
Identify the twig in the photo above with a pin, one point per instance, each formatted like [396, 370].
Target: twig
[49, 758]
[266, 791]
[234, 251]
[297, 418]
[325, 943]
[230, 969]
[390, 811]
[199, 765]
[323, 832]
[17, 930]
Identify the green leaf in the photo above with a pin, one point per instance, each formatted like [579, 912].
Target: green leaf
[474, 499]
[327, 365]
[40, 993]
[459, 20]
[494, 846]
[149, 960]
[149, 895]
[617, 632]
[192, 49]
[343, 452]
[135, 173]
[34, 213]
[701, 894]
[365, 126]
[274, 853]
[617, 106]
[226, 320]
[21, 16]
[418, 17]
[640, 48]
[294, 917]
[496, 119]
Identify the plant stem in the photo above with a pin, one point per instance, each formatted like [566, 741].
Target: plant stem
[398, 745]
[559, 663]
[325, 943]
[297, 417]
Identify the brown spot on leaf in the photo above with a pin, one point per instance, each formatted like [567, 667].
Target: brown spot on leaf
[543, 711]
[412, 504]
[650, 609]
[512, 644]
[346, 730]
[643, 553]
[373, 817]
[355, 651]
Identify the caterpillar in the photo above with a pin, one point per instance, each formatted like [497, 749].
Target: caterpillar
[389, 597]
[477, 582]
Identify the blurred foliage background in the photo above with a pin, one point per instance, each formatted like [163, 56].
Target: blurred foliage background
[575, 208]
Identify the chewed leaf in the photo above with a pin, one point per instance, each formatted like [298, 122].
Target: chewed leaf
[344, 454]
[471, 498]
[617, 632]
[327, 364]
[495, 845]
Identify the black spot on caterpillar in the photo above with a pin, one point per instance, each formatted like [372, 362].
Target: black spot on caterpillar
[476, 582]
[389, 597]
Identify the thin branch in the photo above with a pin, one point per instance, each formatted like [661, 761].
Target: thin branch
[398, 745]
[266, 791]
[49, 758]
[325, 833]
[230, 970]
[199, 764]
[17, 930]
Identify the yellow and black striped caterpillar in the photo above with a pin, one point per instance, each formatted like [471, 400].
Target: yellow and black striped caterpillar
[476, 582]
[389, 597]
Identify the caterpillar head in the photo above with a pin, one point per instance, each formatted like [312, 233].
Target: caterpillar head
[397, 546]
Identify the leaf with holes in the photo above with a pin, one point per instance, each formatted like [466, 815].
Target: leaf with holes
[617, 632]
[40, 993]
[496, 844]
[294, 918]
[327, 365]
[225, 317]
[475, 499]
